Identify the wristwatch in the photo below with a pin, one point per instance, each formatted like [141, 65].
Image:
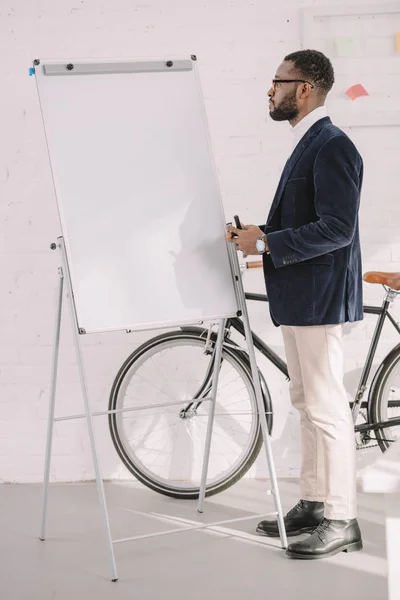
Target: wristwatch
[261, 243]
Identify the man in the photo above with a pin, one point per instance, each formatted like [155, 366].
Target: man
[312, 267]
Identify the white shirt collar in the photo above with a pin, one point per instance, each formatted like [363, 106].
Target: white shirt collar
[308, 121]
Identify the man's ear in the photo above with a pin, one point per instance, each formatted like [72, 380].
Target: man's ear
[305, 91]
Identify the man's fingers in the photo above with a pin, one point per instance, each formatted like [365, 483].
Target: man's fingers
[232, 233]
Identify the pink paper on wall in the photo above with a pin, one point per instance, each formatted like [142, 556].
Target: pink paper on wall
[356, 91]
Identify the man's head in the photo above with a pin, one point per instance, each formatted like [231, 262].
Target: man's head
[310, 75]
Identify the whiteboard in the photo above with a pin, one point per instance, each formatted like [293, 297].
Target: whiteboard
[138, 197]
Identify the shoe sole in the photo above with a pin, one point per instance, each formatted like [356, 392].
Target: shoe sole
[288, 533]
[354, 547]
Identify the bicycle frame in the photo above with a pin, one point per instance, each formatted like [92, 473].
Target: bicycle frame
[382, 312]
[261, 346]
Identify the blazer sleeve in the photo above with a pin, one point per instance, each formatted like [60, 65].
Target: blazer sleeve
[337, 170]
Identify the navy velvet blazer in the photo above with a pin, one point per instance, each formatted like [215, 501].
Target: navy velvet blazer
[313, 275]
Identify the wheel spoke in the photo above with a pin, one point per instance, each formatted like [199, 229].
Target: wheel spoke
[166, 451]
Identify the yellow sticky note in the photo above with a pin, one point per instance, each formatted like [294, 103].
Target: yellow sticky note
[398, 41]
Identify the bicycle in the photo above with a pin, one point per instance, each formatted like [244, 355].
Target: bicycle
[161, 439]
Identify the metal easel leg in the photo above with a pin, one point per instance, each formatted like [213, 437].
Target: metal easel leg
[89, 418]
[215, 378]
[259, 398]
[50, 422]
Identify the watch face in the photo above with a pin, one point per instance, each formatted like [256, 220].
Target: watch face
[260, 245]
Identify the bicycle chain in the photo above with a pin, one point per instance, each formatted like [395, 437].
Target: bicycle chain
[360, 445]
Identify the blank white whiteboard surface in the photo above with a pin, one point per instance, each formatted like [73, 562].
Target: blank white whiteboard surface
[138, 198]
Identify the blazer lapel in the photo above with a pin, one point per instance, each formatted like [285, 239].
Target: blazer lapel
[292, 160]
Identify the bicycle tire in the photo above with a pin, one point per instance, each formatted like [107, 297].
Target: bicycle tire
[377, 401]
[238, 357]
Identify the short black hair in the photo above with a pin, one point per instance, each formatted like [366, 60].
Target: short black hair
[315, 67]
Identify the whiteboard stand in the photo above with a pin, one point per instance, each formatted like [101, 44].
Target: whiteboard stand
[259, 398]
[151, 115]
[63, 273]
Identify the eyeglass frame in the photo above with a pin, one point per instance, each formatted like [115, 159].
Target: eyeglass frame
[275, 81]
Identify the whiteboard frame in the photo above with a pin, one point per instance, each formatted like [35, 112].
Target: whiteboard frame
[46, 68]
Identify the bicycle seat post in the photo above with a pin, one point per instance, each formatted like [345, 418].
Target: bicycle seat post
[390, 295]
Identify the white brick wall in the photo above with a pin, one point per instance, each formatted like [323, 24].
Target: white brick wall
[239, 44]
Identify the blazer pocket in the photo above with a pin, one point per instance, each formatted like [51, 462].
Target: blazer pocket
[326, 260]
[295, 180]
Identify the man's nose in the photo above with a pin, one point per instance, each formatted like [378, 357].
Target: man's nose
[270, 92]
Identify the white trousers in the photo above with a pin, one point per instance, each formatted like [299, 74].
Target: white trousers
[316, 368]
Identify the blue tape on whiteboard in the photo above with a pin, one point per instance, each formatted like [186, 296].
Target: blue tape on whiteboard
[31, 71]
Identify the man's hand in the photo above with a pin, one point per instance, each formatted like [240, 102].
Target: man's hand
[245, 239]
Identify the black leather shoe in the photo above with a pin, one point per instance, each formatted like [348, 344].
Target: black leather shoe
[302, 518]
[330, 537]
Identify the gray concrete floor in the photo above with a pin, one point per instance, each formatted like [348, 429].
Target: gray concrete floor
[72, 563]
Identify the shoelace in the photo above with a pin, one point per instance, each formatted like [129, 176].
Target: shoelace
[296, 508]
[323, 526]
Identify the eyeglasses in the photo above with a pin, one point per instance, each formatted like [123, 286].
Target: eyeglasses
[276, 81]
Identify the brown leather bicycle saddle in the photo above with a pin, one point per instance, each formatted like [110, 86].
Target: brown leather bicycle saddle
[392, 280]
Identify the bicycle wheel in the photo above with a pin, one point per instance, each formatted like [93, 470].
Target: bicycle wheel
[161, 444]
[384, 402]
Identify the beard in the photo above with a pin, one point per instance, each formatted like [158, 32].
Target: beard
[286, 111]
